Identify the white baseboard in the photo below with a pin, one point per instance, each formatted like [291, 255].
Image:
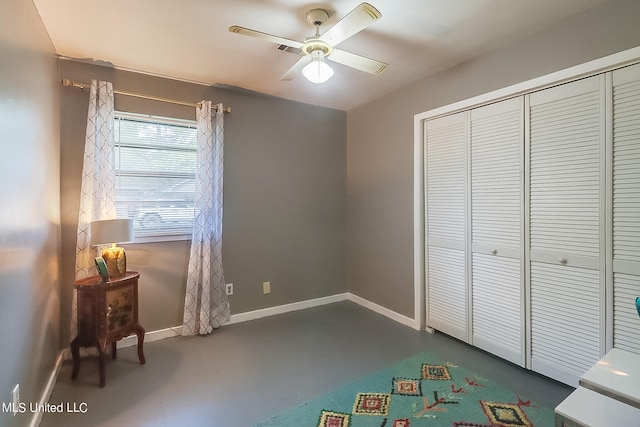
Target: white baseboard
[46, 393]
[160, 334]
[400, 318]
[237, 318]
[281, 309]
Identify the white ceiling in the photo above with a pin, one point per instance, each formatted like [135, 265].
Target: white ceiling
[189, 39]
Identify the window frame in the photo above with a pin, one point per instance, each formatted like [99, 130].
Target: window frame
[152, 119]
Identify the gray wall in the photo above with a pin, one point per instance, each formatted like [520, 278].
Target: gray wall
[380, 141]
[29, 217]
[284, 200]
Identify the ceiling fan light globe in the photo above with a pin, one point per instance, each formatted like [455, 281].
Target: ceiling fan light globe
[317, 71]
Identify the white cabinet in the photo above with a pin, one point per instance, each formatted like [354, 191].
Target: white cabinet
[609, 394]
[566, 213]
[626, 207]
[497, 146]
[445, 150]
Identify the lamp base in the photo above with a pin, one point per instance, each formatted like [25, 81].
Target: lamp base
[116, 261]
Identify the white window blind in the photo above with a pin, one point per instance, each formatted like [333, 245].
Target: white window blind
[155, 174]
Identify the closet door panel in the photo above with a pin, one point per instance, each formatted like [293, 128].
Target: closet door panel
[496, 205]
[445, 187]
[626, 207]
[497, 294]
[446, 303]
[566, 140]
[565, 320]
[626, 323]
[566, 132]
[496, 174]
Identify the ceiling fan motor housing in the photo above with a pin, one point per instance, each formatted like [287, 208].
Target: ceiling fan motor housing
[317, 16]
[312, 44]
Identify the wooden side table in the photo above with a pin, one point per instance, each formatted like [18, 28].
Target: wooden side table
[107, 312]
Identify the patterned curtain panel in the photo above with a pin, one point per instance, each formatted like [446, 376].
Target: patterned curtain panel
[206, 304]
[97, 194]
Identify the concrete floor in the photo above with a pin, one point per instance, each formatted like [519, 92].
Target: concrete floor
[247, 372]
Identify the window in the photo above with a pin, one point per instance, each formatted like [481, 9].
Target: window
[155, 174]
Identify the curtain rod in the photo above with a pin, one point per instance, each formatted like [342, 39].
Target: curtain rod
[71, 83]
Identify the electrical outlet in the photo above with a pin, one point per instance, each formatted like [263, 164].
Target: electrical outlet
[15, 399]
[229, 288]
[266, 288]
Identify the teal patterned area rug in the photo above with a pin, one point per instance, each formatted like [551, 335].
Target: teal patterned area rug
[420, 391]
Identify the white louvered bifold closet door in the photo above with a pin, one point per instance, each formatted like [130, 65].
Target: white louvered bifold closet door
[497, 147]
[566, 202]
[445, 188]
[626, 207]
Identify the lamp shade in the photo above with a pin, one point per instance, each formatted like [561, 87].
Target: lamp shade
[111, 231]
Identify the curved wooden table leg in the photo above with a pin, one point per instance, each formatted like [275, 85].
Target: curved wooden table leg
[140, 333]
[114, 350]
[101, 359]
[75, 353]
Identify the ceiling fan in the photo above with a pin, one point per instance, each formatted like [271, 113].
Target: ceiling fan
[320, 47]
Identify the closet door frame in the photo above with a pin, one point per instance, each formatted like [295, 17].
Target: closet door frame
[598, 66]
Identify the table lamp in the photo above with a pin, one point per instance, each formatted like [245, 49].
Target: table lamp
[112, 231]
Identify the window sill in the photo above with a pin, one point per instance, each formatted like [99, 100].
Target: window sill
[167, 238]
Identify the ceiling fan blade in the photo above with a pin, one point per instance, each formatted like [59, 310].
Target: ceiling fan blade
[357, 20]
[260, 35]
[358, 62]
[296, 69]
